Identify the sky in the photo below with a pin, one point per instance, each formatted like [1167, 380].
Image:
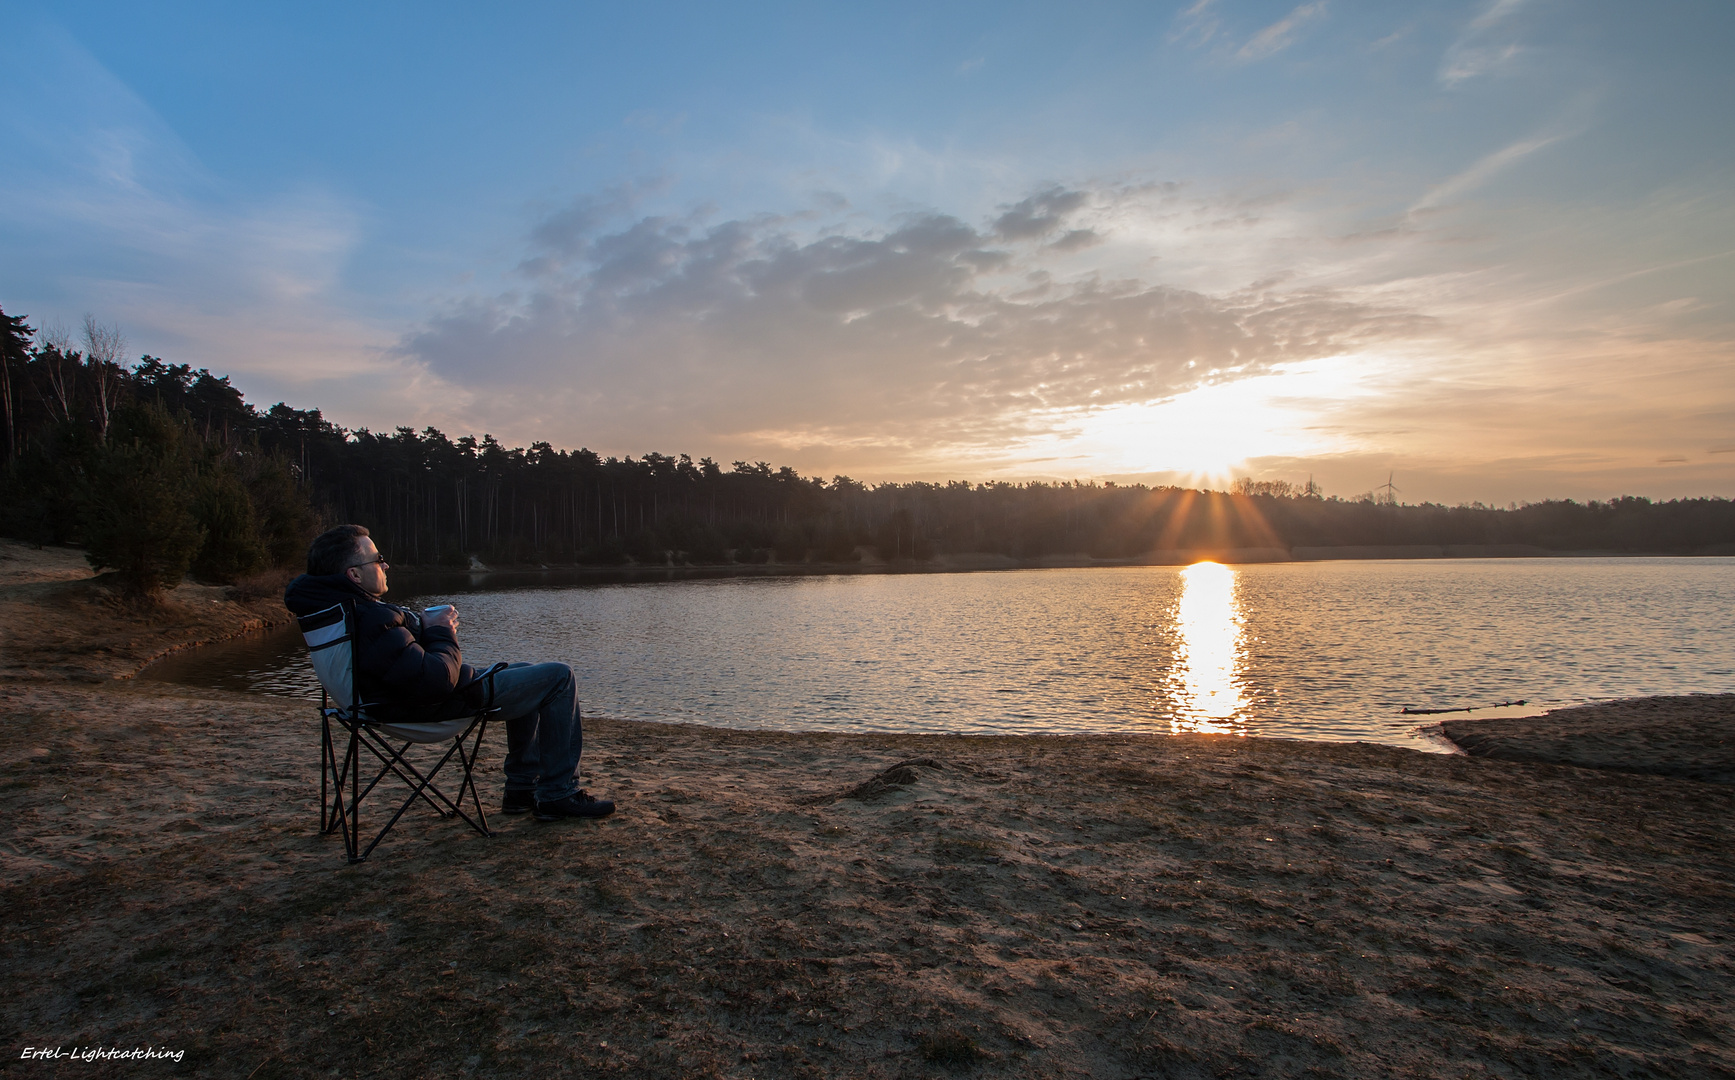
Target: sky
[1481, 251]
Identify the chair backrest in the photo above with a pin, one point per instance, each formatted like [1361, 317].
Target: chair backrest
[329, 635]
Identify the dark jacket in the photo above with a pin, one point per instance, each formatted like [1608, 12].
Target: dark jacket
[405, 670]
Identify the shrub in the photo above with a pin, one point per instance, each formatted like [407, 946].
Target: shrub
[232, 548]
[136, 500]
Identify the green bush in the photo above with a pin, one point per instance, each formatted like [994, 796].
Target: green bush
[136, 499]
[39, 496]
[286, 520]
[224, 509]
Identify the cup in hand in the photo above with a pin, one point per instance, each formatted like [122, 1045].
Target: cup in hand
[441, 615]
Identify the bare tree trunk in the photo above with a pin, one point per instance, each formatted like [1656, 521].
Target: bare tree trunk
[54, 346]
[6, 402]
[103, 348]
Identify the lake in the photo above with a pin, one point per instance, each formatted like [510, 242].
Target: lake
[1313, 650]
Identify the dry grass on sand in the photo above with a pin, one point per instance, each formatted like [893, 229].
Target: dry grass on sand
[783, 905]
[59, 620]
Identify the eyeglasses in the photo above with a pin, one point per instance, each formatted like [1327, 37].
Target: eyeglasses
[381, 559]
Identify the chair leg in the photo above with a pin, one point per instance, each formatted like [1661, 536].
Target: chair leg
[422, 786]
[335, 777]
[468, 759]
[393, 761]
[324, 773]
[352, 818]
[470, 777]
[335, 806]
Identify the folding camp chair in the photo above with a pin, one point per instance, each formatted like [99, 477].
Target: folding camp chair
[330, 641]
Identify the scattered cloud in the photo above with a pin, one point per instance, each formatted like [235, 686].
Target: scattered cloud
[1038, 215]
[1392, 38]
[1481, 172]
[1077, 240]
[929, 331]
[1495, 13]
[129, 223]
[1484, 46]
[1280, 34]
[1195, 25]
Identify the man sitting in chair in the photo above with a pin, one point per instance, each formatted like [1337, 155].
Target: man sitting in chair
[409, 669]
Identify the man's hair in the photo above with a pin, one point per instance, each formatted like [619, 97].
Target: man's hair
[333, 549]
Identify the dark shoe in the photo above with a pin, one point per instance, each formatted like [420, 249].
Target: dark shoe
[578, 804]
[517, 802]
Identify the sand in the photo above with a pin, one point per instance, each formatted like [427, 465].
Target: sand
[60, 621]
[812, 905]
[1688, 737]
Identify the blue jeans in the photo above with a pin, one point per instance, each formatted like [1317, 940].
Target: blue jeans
[544, 731]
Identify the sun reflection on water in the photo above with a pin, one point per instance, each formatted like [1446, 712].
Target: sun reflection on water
[1209, 656]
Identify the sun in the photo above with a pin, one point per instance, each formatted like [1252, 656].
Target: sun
[1208, 434]
[1205, 437]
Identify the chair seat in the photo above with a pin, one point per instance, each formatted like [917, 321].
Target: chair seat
[425, 733]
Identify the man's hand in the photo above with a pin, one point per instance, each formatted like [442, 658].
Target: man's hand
[446, 617]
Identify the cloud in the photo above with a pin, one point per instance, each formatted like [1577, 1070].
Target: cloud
[1481, 172]
[1392, 38]
[1280, 34]
[1481, 49]
[1038, 215]
[926, 332]
[128, 223]
[1495, 13]
[1077, 240]
[1198, 25]
[566, 232]
[1195, 25]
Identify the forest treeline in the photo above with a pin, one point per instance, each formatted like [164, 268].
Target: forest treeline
[111, 457]
[158, 469]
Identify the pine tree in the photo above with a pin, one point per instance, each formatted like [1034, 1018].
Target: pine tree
[137, 499]
[223, 508]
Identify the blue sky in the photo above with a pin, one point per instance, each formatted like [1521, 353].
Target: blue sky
[1485, 246]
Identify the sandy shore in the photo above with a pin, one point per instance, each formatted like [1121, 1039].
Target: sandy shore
[787, 905]
[1691, 738]
[58, 620]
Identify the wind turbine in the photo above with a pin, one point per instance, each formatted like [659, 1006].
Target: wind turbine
[1391, 492]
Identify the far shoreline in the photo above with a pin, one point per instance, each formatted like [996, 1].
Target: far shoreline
[973, 562]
